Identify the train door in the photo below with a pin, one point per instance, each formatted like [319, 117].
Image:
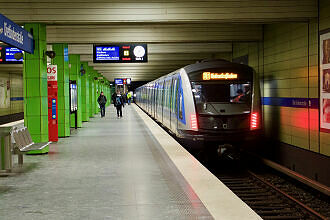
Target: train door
[149, 98]
[154, 100]
[162, 104]
[174, 120]
[159, 100]
[166, 114]
[156, 96]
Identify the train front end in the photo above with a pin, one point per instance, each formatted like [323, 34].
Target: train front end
[227, 106]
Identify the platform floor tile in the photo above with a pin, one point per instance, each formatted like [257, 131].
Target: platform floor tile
[108, 169]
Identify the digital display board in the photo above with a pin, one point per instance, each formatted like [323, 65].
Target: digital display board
[7, 55]
[120, 53]
[104, 53]
[124, 81]
[218, 76]
[119, 81]
[10, 51]
[73, 97]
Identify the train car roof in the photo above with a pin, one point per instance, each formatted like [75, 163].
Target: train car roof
[207, 64]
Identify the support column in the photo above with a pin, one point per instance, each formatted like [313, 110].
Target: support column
[91, 91]
[112, 90]
[95, 92]
[85, 92]
[74, 60]
[35, 85]
[62, 61]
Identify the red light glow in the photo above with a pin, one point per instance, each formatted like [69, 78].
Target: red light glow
[254, 121]
[193, 121]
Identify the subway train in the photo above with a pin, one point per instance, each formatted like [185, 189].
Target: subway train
[212, 104]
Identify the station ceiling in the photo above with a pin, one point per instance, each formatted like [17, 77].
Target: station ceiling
[177, 32]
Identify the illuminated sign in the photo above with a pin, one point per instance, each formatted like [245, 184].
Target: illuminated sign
[10, 54]
[120, 53]
[220, 76]
[104, 53]
[124, 81]
[119, 81]
[7, 55]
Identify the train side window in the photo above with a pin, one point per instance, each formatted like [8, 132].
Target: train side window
[171, 94]
[180, 103]
[163, 91]
[176, 96]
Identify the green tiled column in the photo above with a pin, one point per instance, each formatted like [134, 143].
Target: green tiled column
[112, 90]
[62, 61]
[85, 93]
[108, 92]
[74, 60]
[35, 85]
[91, 91]
[96, 86]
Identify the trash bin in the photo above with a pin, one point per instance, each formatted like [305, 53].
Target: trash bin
[5, 149]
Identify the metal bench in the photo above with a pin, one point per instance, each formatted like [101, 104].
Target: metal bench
[25, 145]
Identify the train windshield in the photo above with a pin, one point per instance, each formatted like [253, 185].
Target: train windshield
[222, 98]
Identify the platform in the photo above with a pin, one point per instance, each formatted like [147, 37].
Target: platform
[126, 168]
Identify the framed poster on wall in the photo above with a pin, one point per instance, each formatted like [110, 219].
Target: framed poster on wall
[4, 93]
[325, 82]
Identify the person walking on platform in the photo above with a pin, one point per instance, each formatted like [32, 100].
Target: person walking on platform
[102, 100]
[119, 102]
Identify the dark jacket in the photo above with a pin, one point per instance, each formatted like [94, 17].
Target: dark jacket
[121, 100]
[113, 98]
[102, 100]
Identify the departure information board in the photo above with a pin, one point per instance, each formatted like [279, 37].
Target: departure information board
[120, 53]
[10, 51]
[124, 81]
[7, 55]
[107, 53]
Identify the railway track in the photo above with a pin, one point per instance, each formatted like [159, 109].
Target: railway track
[273, 197]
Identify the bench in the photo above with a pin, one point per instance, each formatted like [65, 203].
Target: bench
[25, 145]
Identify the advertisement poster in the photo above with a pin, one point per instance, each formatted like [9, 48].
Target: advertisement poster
[325, 82]
[4, 93]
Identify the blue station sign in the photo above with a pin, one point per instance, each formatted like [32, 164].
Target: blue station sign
[13, 34]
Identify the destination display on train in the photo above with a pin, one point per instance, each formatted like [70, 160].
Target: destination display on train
[7, 55]
[120, 53]
[219, 76]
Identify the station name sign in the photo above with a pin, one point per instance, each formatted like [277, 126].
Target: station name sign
[13, 34]
[219, 76]
[120, 53]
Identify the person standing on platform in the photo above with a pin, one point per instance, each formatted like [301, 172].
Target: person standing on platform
[129, 98]
[119, 102]
[102, 100]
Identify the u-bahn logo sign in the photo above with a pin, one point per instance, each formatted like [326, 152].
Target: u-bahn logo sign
[13, 34]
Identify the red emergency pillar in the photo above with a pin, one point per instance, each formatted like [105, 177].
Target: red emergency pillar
[52, 103]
